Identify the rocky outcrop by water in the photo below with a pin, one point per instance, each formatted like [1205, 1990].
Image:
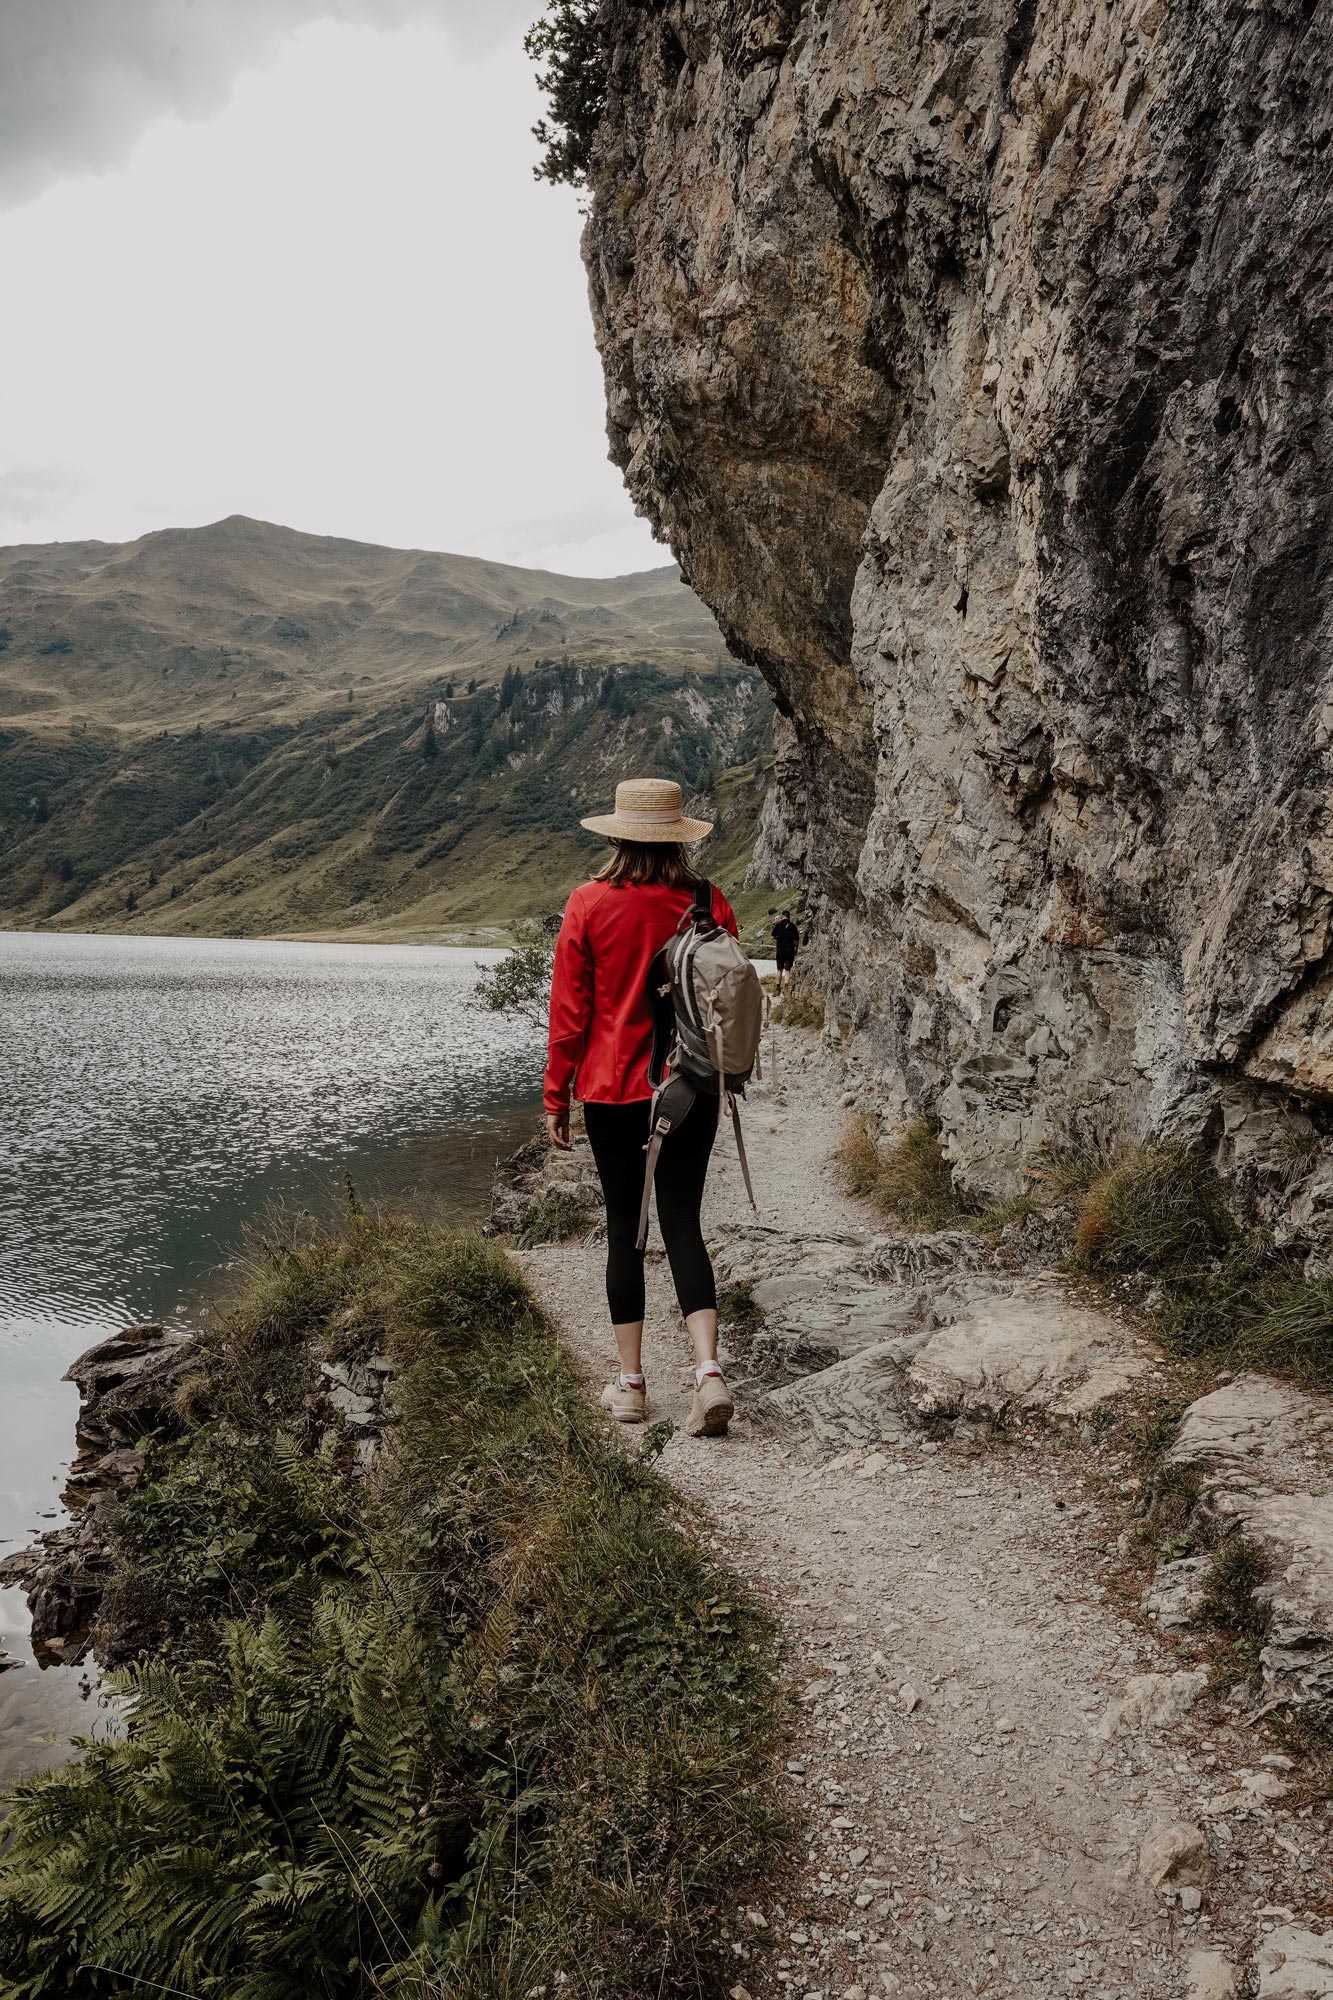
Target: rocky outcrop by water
[134, 1392]
[128, 1387]
[975, 363]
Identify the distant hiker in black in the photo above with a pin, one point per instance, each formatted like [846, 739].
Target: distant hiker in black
[786, 937]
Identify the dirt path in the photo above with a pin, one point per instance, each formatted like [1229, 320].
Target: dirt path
[956, 1633]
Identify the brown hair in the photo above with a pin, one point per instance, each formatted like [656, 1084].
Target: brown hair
[662, 861]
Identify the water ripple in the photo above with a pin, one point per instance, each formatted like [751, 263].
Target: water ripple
[154, 1088]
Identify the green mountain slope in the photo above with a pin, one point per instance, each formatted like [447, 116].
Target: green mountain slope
[244, 620]
[184, 744]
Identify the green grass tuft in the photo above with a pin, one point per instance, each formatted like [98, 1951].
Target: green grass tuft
[741, 1319]
[858, 1159]
[1294, 1330]
[483, 1714]
[1231, 1603]
[1227, 1296]
[1156, 1209]
[800, 1009]
[1154, 1428]
[1165, 1530]
[1252, 1310]
[738, 1309]
[1001, 1215]
[1235, 1574]
[912, 1180]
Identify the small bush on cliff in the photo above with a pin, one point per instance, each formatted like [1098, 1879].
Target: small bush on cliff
[1236, 1575]
[520, 983]
[912, 1180]
[492, 1715]
[571, 45]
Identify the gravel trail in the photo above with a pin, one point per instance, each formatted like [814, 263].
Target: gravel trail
[957, 1626]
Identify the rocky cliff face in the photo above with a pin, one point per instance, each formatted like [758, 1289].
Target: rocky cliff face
[975, 361]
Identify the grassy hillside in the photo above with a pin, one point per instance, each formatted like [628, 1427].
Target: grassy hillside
[245, 622]
[490, 1722]
[154, 782]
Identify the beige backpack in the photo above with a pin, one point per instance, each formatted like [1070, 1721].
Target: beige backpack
[708, 1017]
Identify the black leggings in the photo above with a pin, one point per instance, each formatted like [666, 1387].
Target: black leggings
[618, 1134]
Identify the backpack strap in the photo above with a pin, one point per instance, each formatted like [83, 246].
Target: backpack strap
[664, 1018]
[764, 1022]
[671, 1102]
[700, 912]
[734, 1113]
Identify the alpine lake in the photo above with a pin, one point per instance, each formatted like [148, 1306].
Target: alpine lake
[159, 1099]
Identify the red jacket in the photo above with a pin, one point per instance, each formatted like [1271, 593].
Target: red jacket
[601, 1034]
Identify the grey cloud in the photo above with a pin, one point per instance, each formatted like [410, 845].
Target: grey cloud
[80, 79]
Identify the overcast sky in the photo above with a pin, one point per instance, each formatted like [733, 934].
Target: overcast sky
[287, 258]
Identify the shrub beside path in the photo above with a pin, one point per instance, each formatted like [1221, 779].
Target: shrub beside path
[952, 1483]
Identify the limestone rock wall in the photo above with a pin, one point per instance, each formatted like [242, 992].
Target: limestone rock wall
[975, 360]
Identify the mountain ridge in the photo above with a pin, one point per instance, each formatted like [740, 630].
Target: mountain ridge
[242, 729]
[242, 619]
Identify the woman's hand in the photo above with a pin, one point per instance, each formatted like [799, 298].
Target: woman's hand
[557, 1129]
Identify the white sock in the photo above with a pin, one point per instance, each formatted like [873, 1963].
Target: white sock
[630, 1381]
[705, 1368]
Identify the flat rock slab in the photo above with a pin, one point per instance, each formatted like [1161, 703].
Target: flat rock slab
[1294, 1534]
[1247, 1425]
[1295, 1964]
[847, 1313]
[859, 1401]
[755, 1254]
[1032, 1354]
[125, 1354]
[1257, 1447]
[824, 1300]
[999, 1353]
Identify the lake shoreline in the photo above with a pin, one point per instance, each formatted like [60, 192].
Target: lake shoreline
[475, 937]
[169, 1102]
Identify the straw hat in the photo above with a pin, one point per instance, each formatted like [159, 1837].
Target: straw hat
[648, 809]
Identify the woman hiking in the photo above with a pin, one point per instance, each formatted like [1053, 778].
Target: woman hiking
[601, 1040]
